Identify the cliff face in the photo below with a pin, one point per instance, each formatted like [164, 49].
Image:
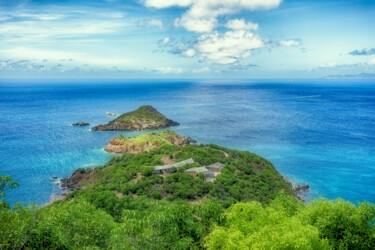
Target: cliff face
[146, 142]
[145, 117]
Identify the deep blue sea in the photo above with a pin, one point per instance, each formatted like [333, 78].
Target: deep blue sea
[315, 131]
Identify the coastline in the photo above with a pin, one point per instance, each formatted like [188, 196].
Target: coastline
[71, 183]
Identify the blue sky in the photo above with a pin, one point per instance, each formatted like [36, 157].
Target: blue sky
[186, 38]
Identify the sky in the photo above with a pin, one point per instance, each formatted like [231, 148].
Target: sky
[186, 38]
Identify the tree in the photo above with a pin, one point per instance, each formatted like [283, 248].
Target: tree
[6, 182]
[252, 226]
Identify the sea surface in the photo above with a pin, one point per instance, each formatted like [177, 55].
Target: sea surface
[320, 132]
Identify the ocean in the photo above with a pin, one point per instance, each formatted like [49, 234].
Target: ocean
[320, 132]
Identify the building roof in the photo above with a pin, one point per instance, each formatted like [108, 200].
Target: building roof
[216, 165]
[198, 169]
[175, 165]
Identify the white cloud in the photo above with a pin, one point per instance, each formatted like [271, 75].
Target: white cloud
[290, 43]
[227, 48]
[371, 62]
[169, 70]
[36, 29]
[202, 70]
[151, 23]
[70, 59]
[241, 24]
[160, 4]
[328, 65]
[189, 53]
[40, 16]
[202, 15]
[165, 40]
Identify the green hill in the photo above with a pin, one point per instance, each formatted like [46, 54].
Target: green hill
[127, 204]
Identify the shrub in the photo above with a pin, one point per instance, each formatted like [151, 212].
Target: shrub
[147, 171]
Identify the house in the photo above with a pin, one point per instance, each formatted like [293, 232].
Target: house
[208, 175]
[216, 167]
[168, 168]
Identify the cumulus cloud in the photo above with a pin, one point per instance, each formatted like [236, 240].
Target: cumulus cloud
[227, 48]
[364, 52]
[202, 16]
[241, 24]
[169, 70]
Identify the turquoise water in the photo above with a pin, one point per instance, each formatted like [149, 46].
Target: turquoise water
[319, 132]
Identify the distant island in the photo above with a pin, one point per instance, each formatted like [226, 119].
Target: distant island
[352, 76]
[145, 117]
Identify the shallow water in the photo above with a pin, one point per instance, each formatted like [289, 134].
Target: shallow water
[319, 132]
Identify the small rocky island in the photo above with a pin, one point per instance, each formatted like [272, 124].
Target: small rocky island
[80, 124]
[145, 117]
[146, 142]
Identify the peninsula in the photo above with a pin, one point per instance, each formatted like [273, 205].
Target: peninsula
[145, 117]
[176, 195]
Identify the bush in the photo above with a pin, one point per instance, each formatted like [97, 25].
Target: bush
[147, 171]
[342, 223]
[251, 226]
[156, 195]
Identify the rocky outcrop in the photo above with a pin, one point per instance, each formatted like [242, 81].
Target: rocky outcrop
[75, 181]
[120, 145]
[301, 188]
[178, 140]
[145, 117]
[80, 124]
[110, 114]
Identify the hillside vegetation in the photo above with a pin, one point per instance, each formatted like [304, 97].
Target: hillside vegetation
[146, 142]
[125, 205]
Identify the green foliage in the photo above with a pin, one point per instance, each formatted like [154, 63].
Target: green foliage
[6, 182]
[288, 224]
[77, 223]
[126, 206]
[147, 171]
[342, 223]
[160, 226]
[252, 226]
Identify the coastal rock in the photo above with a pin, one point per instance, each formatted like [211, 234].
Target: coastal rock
[145, 117]
[75, 181]
[110, 114]
[80, 124]
[146, 142]
[301, 188]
